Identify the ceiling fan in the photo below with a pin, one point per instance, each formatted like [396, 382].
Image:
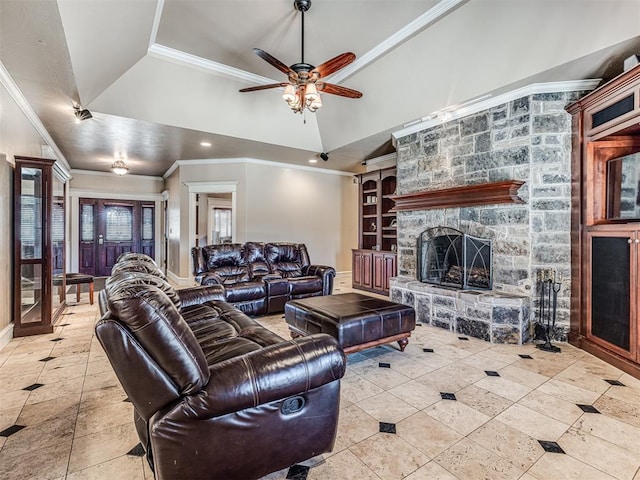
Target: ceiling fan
[305, 80]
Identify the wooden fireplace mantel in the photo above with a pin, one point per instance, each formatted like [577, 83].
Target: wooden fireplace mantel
[466, 196]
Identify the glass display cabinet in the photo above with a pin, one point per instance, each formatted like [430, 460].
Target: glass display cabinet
[38, 246]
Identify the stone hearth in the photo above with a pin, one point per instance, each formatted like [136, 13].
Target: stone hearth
[529, 140]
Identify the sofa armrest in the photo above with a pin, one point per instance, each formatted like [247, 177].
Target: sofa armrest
[210, 278]
[269, 374]
[199, 295]
[326, 273]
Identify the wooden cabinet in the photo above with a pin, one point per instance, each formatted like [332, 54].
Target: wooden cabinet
[374, 262]
[605, 222]
[38, 246]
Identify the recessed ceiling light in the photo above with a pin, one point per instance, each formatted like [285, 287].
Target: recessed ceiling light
[313, 160]
[205, 144]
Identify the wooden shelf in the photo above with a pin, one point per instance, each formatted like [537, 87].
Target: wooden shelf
[466, 196]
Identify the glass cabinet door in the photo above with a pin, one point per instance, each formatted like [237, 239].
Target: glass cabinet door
[32, 217]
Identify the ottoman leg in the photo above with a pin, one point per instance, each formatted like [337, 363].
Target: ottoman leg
[78, 293]
[91, 293]
[403, 343]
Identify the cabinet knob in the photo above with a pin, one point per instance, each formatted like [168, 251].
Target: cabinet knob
[637, 240]
[629, 241]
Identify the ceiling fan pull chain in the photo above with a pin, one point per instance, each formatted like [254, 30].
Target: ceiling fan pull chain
[302, 42]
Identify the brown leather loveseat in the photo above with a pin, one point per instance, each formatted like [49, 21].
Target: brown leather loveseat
[261, 277]
[215, 395]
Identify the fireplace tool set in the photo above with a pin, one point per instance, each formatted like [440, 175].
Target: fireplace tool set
[548, 287]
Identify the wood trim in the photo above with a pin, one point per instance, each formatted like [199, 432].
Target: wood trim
[465, 196]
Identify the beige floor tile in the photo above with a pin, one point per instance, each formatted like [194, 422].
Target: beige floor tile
[612, 430]
[356, 388]
[17, 381]
[503, 387]
[8, 417]
[37, 463]
[564, 467]
[126, 466]
[578, 375]
[457, 415]
[13, 399]
[414, 367]
[624, 411]
[101, 380]
[416, 394]
[431, 471]
[523, 377]
[443, 381]
[344, 466]
[101, 447]
[384, 378]
[484, 361]
[389, 456]
[532, 423]
[355, 425]
[554, 407]
[386, 407]
[626, 394]
[103, 418]
[434, 361]
[508, 443]
[570, 393]
[427, 434]
[59, 373]
[617, 462]
[483, 400]
[101, 397]
[50, 391]
[464, 371]
[469, 461]
[451, 351]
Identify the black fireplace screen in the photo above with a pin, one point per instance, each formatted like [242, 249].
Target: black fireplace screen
[447, 256]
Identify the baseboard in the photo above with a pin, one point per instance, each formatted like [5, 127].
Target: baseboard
[179, 281]
[6, 335]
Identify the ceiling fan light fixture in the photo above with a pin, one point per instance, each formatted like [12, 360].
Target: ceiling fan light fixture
[311, 94]
[119, 167]
[290, 96]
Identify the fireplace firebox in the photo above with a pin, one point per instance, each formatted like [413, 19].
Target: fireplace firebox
[449, 257]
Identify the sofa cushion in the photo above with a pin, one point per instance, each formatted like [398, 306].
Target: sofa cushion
[232, 274]
[160, 329]
[255, 259]
[223, 255]
[245, 291]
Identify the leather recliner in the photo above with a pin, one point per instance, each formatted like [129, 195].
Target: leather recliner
[261, 277]
[215, 394]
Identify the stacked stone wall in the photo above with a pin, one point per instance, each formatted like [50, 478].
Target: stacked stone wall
[526, 139]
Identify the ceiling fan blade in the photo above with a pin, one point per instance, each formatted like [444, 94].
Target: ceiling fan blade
[335, 64]
[273, 61]
[263, 87]
[338, 90]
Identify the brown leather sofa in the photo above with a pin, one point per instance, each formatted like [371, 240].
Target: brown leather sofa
[260, 277]
[215, 395]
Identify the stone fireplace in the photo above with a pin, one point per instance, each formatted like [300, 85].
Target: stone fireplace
[526, 140]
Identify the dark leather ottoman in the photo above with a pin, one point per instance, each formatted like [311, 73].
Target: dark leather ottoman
[357, 321]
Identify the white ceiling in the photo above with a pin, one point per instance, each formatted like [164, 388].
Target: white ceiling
[162, 76]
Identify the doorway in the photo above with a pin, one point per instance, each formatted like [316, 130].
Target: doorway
[109, 228]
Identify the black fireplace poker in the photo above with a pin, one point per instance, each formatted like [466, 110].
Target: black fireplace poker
[549, 288]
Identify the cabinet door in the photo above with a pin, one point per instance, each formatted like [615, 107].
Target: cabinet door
[378, 271]
[612, 291]
[389, 270]
[362, 269]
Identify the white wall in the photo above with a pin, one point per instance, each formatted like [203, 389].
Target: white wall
[273, 203]
[17, 137]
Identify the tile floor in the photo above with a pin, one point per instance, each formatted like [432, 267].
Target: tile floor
[447, 408]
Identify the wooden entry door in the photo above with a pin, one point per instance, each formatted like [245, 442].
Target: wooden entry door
[109, 228]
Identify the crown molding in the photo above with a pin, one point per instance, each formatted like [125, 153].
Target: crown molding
[156, 22]
[111, 174]
[10, 85]
[254, 161]
[452, 113]
[429, 17]
[160, 51]
[83, 193]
